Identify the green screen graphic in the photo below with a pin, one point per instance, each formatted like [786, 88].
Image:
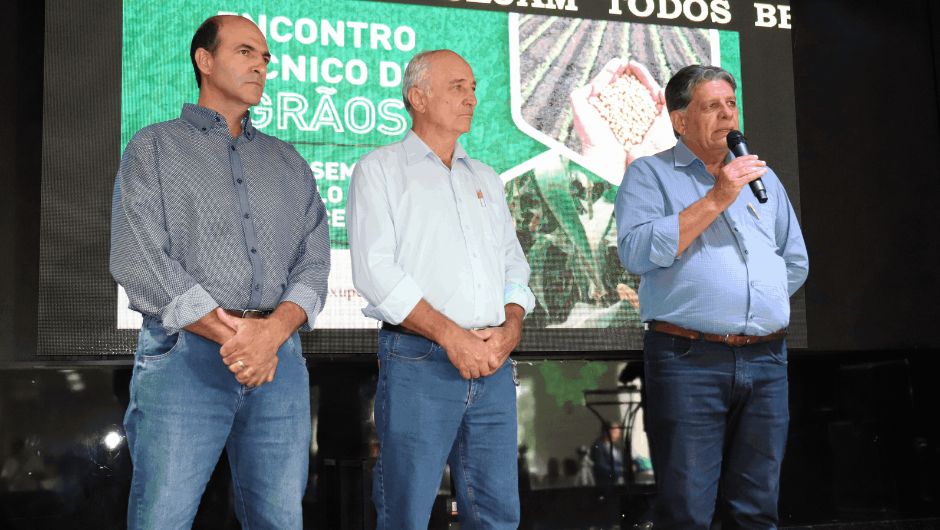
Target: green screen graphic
[334, 92]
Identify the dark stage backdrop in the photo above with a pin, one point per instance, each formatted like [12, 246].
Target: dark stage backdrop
[867, 99]
[111, 68]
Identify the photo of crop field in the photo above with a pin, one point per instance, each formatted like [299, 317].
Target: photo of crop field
[564, 221]
[558, 55]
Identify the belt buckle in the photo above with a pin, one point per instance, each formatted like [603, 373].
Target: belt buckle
[257, 313]
[739, 340]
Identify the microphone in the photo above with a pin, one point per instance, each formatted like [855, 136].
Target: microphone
[737, 143]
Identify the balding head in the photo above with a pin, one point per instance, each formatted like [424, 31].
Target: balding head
[440, 94]
[417, 73]
[207, 37]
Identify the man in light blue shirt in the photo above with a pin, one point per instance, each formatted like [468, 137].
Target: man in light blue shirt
[717, 269]
[434, 252]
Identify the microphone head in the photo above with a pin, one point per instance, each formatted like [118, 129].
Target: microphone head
[735, 138]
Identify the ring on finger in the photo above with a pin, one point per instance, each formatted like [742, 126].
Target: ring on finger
[241, 364]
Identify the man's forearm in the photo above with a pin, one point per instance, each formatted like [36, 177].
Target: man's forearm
[431, 323]
[696, 219]
[514, 315]
[287, 318]
[210, 327]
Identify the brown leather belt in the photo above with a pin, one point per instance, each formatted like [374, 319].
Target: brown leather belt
[249, 313]
[731, 340]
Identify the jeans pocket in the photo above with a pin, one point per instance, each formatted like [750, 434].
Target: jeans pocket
[659, 347]
[777, 351]
[155, 344]
[296, 348]
[404, 347]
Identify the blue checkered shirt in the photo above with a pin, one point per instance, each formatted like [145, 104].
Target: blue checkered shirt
[202, 220]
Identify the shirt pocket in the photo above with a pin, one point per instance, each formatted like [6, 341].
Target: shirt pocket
[762, 218]
[493, 219]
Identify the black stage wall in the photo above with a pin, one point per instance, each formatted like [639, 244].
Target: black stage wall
[21, 32]
[866, 78]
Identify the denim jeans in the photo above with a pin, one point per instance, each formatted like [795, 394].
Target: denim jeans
[426, 415]
[717, 420]
[185, 407]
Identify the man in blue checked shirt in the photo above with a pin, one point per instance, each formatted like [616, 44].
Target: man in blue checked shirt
[219, 238]
[717, 270]
[434, 252]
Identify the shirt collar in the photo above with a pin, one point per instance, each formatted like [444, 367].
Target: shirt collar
[416, 150]
[206, 119]
[685, 157]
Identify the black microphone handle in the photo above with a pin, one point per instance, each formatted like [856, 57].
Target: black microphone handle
[758, 189]
[757, 185]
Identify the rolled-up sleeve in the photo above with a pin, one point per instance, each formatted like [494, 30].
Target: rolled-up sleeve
[516, 289]
[647, 238]
[372, 245]
[155, 283]
[307, 280]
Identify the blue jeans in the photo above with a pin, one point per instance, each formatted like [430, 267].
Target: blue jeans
[185, 407]
[426, 415]
[717, 422]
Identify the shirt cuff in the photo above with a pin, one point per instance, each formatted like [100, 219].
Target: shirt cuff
[187, 308]
[398, 304]
[520, 295]
[308, 300]
[664, 241]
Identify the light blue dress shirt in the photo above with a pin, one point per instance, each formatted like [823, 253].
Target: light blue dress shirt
[736, 277]
[418, 229]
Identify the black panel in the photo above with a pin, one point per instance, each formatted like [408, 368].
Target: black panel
[20, 153]
[867, 120]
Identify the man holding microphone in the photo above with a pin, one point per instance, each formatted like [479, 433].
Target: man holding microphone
[717, 270]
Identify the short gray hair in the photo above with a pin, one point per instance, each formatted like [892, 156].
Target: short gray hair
[680, 87]
[416, 74]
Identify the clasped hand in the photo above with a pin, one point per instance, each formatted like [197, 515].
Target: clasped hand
[479, 353]
[251, 353]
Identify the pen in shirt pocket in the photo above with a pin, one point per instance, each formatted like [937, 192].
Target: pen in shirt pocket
[753, 210]
[481, 198]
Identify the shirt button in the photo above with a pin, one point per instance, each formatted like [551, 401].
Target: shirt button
[247, 216]
[254, 251]
[257, 287]
[238, 181]
[233, 148]
[745, 252]
[216, 118]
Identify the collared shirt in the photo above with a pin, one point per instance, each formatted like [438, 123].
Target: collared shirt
[736, 277]
[202, 220]
[420, 230]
